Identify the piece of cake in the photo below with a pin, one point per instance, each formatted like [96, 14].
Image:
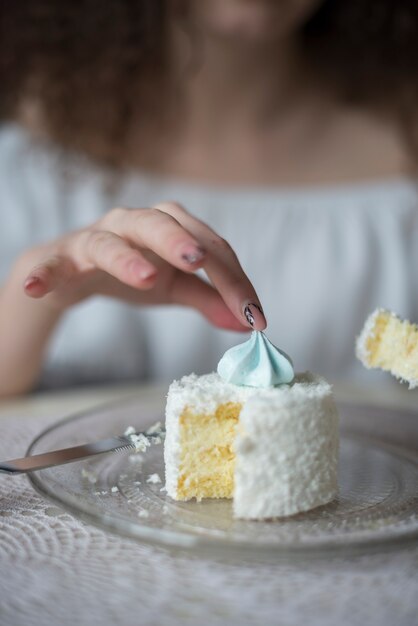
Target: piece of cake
[390, 343]
[273, 450]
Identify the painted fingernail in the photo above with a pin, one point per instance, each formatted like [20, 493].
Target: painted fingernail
[193, 254]
[147, 273]
[31, 282]
[255, 316]
[141, 271]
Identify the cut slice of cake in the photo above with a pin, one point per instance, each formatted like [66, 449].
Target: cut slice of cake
[273, 450]
[390, 343]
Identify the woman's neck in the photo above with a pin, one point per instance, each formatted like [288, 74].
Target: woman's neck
[254, 113]
[222, 83]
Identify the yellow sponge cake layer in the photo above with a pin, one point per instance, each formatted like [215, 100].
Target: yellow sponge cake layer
[391, 344]
[202, 415]
[207, 459]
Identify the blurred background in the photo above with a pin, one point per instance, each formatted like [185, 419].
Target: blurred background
[289, 127]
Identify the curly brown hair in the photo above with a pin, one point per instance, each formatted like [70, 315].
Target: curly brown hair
[81, 60]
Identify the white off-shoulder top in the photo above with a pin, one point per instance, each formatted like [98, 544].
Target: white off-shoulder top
[321, 259]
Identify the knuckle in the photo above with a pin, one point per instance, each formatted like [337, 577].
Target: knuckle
[172, 208]
[159, 218]
[222, 245]
[97, 239]
[114, 216]
[121, 257]
[143, 215]
[234, 283]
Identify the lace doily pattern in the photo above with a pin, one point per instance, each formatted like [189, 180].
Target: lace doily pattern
[58, 570]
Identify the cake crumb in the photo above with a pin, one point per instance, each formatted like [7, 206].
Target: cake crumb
[156, 433]
[154, 479]
[155, 429]
[90, 476]
[140, 442]
[136, 458]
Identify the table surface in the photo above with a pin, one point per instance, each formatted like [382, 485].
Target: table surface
[58, 570]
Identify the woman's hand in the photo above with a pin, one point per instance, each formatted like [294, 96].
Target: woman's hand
[146, 256]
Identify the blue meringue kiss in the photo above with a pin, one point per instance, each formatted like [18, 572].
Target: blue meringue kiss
[256, 363]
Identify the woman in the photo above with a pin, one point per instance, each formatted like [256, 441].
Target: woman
[288, 127]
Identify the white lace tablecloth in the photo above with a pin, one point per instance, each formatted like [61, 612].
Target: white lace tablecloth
[57, 570]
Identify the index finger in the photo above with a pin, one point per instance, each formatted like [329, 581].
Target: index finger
[223, 269]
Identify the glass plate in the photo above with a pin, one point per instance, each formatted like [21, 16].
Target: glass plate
[377, 506]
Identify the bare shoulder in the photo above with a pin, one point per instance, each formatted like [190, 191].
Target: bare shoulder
[364, 145]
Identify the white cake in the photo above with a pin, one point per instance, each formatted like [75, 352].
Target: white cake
[273, 450]
[391, 344]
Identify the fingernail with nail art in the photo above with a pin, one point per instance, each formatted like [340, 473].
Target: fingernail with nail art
[254, 315]
[193, 255]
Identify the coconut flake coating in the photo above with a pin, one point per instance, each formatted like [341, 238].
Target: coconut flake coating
[286, 449]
